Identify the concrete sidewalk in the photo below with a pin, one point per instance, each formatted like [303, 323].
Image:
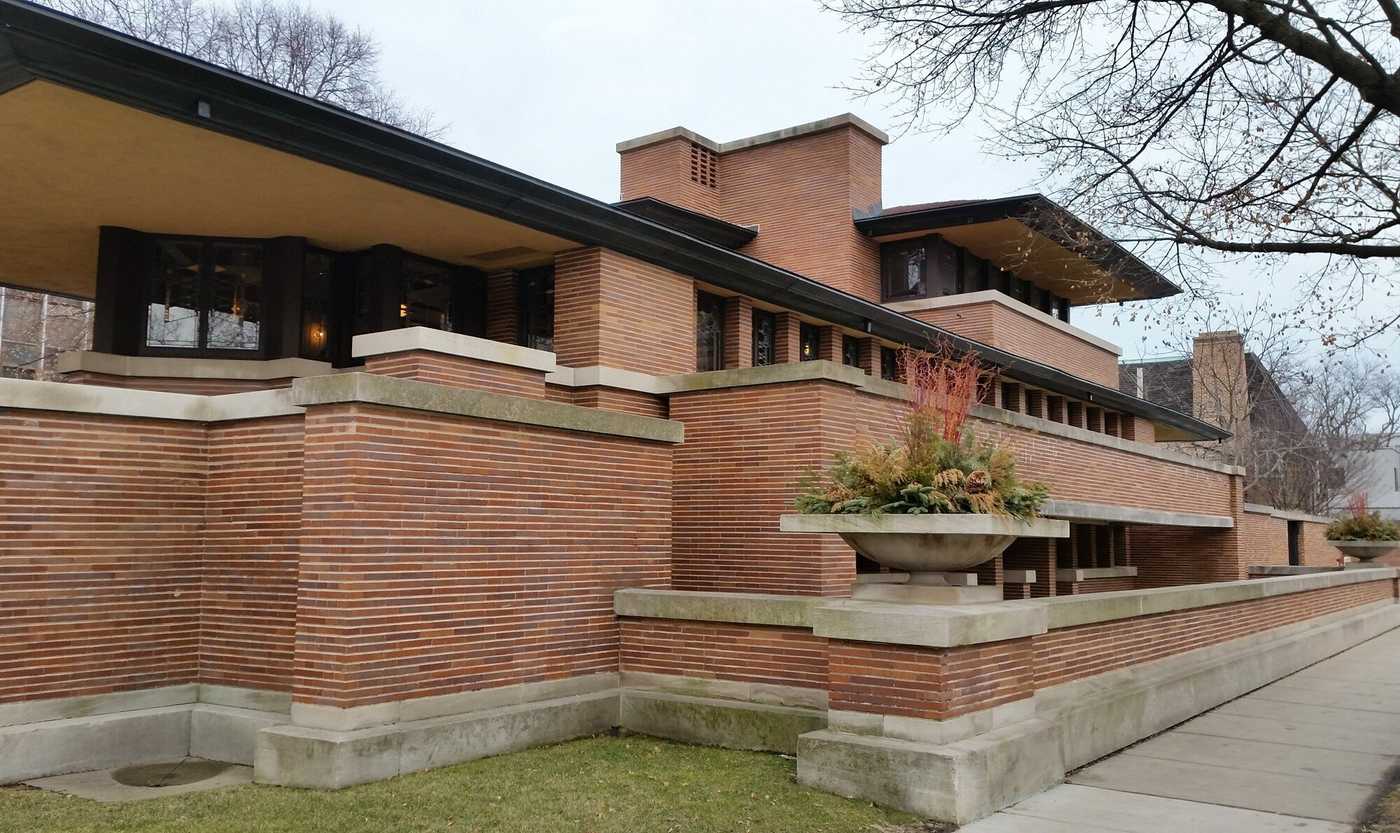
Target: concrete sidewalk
[1303, 755]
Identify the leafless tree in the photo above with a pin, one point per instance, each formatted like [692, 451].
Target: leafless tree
[1261, 129]
[280, 42]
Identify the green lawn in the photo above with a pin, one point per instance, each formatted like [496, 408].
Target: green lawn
[596, 785]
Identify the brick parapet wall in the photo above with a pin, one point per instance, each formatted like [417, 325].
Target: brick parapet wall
[1073, 653]
[101, 520]
[929, 683]
[997, 325]
[443, 554]
[724, 651]
[459, 372]
[252, 539]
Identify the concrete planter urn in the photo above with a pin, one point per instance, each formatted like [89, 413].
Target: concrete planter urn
[1363, 550]
[933, 551]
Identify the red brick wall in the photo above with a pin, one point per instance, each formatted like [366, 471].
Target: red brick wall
[615, 399]
[100, 543]
[1317, 552]
[662, 170]
[1072, 653]
[597, 299]
[202, 387]
[251, 540]
[931, 683]
[442, 554]
[722, 651]
[996, 325]
[736, 472]
[800, 193]
[459, 372]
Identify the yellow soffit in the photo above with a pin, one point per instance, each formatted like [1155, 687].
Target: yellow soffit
[74, 162]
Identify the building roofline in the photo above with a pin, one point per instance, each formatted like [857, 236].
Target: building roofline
[1037, 212]
[808, 129]
[693, 223]
[38, 43]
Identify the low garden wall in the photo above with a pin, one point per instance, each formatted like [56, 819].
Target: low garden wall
[955, 712]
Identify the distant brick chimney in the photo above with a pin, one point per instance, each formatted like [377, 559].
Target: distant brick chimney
[800, 186]
[1220, 382]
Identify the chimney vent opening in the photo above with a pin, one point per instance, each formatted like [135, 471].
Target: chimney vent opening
[703, 166]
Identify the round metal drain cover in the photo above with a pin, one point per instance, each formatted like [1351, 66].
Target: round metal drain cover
[172, 774]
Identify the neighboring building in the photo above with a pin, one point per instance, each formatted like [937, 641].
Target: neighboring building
[385, 456]
[36, 327]
[1223, 384]
[1378, 475]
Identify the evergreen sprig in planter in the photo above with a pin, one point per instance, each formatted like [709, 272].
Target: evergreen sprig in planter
[1362, 534]
[932, 505]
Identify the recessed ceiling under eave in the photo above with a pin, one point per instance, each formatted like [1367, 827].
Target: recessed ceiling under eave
[71, 162]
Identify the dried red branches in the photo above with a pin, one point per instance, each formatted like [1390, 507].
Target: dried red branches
[945, 384]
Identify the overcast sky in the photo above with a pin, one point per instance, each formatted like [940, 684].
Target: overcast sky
[549, 87]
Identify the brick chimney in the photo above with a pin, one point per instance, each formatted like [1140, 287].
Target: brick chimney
[800, 186]
[1220, 382]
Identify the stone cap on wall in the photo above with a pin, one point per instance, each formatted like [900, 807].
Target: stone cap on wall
[431, 340]
[993, 296]
[807, 129]
[170, 367]
[949, 626]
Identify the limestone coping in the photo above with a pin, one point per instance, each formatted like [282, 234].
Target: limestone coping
[432, 340]
[148, 404]
[1069, 611]
[956, 524]
[374, 389]
[992, 296]
[1285, 514]
[948, 626]
[1091, 573]
[168, 367]
[754, 141]
[740, 608]
[1018, 577]
[1078, 510]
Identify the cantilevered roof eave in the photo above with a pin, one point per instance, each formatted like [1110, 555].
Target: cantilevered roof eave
[41, 43]
[1037, 213]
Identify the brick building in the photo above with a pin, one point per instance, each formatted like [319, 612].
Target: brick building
[385, 456]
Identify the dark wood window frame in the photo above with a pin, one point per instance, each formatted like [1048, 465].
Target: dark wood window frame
[809, 342]
[765, 338]
[149, 261]
[709, 315]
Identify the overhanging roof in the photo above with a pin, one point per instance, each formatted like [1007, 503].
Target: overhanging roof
[693, 223]
[1035, 237]
[39, 45]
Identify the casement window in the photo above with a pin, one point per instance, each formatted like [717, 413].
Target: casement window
[205, 296]
[318, 270]
[809, 341]
[889, 364]
[709, 332]
[902, 269]
[427, 294]
[536, 287]
[765, 338]
[850, 351]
